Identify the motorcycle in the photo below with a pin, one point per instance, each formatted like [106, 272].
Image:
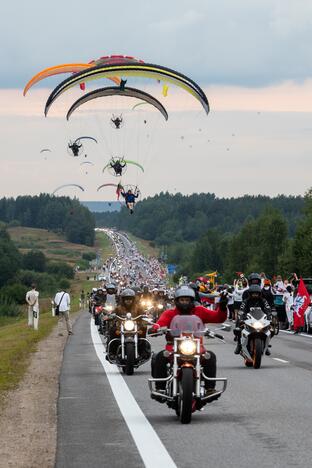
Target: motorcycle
[255, 337]
[185, 389]
[105, 312]
[133, 349]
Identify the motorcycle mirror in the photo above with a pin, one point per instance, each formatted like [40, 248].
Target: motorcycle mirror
[226, 327]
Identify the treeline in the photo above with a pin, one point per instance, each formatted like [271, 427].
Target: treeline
[59, 214]
[262, 244]
[168, 219]
[18, 271]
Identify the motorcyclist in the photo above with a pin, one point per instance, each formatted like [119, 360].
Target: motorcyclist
[253, 278]
[184, 299]
[254, 299]
[98, 300]
[111, 298]
[127, 305]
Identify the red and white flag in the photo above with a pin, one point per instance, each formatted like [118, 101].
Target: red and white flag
[301, 304]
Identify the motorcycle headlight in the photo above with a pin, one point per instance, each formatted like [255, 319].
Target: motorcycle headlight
[160, 306]
[109, 308]
[129, 325]
[149, 304]
[258, 325]
[187, 347]
[143, 303]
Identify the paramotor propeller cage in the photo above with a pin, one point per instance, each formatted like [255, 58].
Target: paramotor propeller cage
[112, 171]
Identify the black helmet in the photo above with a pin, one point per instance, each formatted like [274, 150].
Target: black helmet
[254, 289]
[254, 278]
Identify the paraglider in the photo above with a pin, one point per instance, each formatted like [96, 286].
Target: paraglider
[115, 91]
[67, 185]
[130, 195]
[117, 121]
[119, 166]
[45, 150]
[145, 70]
[119, 188]
[76, 147]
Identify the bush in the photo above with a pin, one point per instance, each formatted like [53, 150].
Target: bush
[35, 260]
[64, 284]
[83, 264]
[15, 292]
[8, 308]
[89, 256]
[61, 269]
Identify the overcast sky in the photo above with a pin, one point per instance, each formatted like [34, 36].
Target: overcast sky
[253, 58]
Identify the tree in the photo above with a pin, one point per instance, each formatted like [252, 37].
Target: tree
[35, 260]
[10, 258]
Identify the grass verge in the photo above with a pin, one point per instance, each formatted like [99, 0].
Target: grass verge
[144, 246]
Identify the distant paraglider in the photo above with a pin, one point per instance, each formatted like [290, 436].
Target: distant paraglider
[119, 188]
[76, 147]
[67, 185]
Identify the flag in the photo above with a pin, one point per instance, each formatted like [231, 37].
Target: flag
[118, 190]
[301, 303]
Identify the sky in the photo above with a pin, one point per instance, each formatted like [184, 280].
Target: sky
[252, 58]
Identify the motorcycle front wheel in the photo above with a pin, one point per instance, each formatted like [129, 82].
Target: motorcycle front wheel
[186, 386]
[257, 353]
[129, 367]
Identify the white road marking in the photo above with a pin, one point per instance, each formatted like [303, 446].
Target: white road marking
[298, 334]
[280, 360]
[154, 454]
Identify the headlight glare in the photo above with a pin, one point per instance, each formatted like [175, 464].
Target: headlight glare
[129, 325]
[187, 347]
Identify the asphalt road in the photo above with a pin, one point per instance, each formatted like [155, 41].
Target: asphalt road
[106, 419]
[263, 419]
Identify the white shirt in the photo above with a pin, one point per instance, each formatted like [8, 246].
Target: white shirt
[64, 303]
[32, 299]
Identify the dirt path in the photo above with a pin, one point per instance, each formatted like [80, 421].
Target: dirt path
[28, 422]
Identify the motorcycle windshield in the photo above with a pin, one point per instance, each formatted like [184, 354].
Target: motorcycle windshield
[257, 313]
[186, 324]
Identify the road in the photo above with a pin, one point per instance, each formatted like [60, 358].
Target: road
[108, 419]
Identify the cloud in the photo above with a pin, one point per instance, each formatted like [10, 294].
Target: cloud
[247, 43]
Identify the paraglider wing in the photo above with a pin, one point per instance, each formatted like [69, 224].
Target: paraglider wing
[146, 70]
[117, 91]
[67, 185]
[87, 162]
[107, 165]
[45, 149]
[85, 138]
[63, 68]
[135, 164]
[109, 185]
[139, 104]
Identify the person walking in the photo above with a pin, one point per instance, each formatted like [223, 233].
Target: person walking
[32, 299]
[62, 303]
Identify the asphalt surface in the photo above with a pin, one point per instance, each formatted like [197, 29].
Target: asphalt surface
[263, 419]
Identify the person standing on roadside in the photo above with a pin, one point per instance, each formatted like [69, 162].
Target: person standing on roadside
[32, 299]
[62, 303]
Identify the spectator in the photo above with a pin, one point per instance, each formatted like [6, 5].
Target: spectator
[288, 299]
[62, 301]
[32, 299]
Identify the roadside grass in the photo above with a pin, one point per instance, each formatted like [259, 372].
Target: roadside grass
[104, 244]
[144, 246]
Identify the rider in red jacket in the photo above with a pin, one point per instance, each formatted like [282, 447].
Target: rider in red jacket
[184, 300]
